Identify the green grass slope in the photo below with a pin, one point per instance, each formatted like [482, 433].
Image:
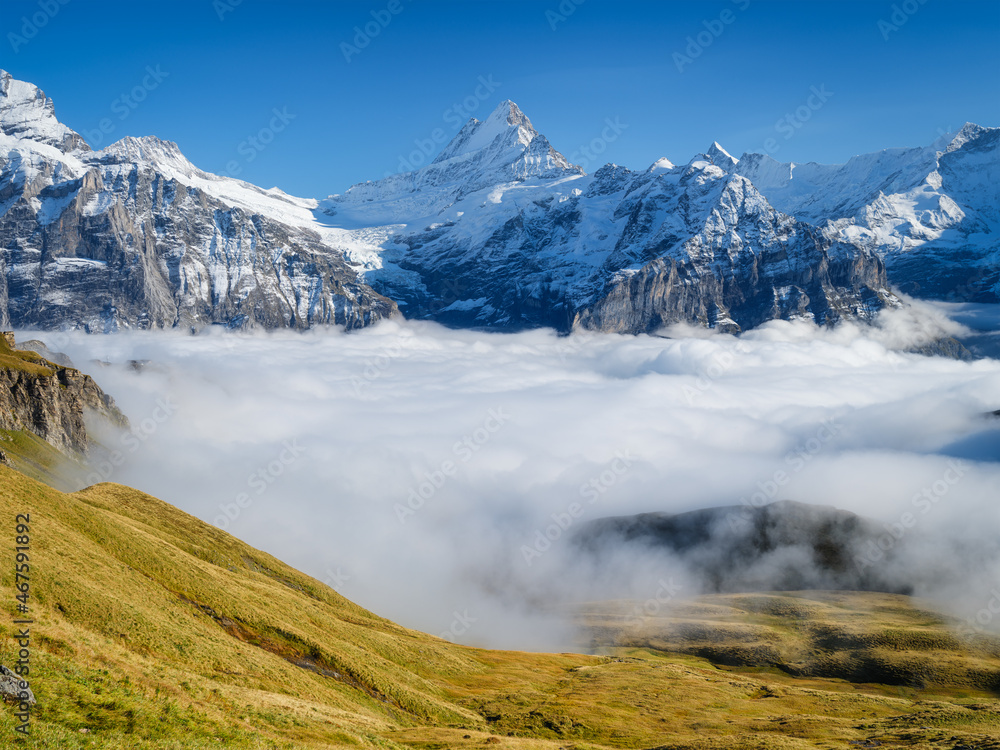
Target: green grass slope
[31, 455]
[862, 637]
[24, 361]
[155, 630]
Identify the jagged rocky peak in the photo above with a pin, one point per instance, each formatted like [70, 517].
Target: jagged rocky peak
[507, 123]
[504, 148]
[26, 114]
[969, 132]
[717, 156]
[720, 157]
[505, 137]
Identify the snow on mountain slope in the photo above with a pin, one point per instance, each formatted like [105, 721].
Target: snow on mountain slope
[136, 236]
[544, 248]
[501, 150]
[932, 213]
[26, 114]
[500, 230]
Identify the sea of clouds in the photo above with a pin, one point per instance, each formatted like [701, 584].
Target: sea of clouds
[435, 476]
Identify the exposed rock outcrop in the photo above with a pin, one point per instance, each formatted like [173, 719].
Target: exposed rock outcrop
[51, 401]
[499, 231]
[135, 236]
[11, 689]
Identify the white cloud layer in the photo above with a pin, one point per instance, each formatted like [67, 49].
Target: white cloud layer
[411, 466]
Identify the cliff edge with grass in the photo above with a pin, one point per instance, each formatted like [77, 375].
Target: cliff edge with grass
[49, 400]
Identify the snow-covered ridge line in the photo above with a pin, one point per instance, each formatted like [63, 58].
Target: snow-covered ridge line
[499, 230]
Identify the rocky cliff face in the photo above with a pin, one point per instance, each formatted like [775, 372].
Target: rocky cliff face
[136, 236]
[499, 231]
[932, 213]
[50, 400]
[619, 251]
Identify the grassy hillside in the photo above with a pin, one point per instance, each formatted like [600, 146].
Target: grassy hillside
[29, 362]
[867, 638]
[31, 455]
[153, 629]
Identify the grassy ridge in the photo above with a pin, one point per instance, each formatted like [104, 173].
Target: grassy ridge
[155, 630]
[863, 638]
[24, 361]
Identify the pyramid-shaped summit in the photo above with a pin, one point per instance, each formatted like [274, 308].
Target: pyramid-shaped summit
[507, 123]
[505, 141]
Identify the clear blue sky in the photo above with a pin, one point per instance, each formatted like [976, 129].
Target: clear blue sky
[357, 119]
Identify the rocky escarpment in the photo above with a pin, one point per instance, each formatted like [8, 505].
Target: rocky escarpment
[745, 264]
[50, 400]
[667, 291]
[499, 231]
[620, 250]
[135, 236]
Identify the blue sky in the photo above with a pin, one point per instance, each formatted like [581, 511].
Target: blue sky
[673, 76]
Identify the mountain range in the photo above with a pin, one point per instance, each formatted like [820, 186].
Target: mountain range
[500, 231]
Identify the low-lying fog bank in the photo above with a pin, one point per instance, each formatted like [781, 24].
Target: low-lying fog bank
[434, 476]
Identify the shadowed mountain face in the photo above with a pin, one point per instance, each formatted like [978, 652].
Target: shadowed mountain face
[785, 546]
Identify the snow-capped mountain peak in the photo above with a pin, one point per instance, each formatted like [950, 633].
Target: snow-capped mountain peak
[720, 157]
[502, 150]
[717, 156]
[507, 122]
[148, 150]
[505, 140]
[969, 132]
[661, 164]
[26, 114]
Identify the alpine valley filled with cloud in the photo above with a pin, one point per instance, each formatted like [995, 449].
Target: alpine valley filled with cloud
[501, 449]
